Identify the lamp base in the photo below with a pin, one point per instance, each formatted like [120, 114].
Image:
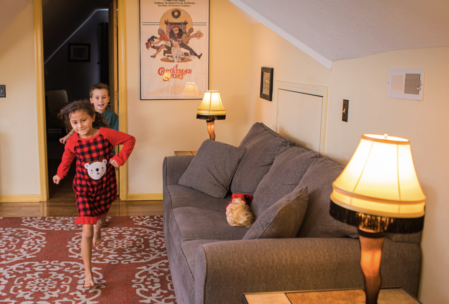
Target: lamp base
[211, 128]
[371, 243]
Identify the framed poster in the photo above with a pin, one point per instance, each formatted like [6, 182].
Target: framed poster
[174, 48]
[79, 52]
[266, 84]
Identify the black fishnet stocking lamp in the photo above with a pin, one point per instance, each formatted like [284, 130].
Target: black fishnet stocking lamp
[210, 109]
[378, 192]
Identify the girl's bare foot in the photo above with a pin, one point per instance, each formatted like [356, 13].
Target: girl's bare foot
[88, 280]
[96, 240]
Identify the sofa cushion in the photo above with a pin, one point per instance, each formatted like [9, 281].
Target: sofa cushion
[213, 168]
[262, 146]
[190, 223]
[318, 222]
[282, 219]
[189, 249]
[284, 175]
[180, 196]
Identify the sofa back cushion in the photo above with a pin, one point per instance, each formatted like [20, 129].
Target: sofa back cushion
[318, 222]
[212, 169]
[262, 146]
[284, 175]
[282, 219]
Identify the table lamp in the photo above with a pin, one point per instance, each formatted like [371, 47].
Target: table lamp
[191, 90]
[211, 108]
[378, 192]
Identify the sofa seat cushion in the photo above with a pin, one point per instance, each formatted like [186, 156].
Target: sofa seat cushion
[213, 168]
[189, 249]
[181, 196]
[284, 175]
[318, 222]
[282, 219]
[262, 146]
[188, 223]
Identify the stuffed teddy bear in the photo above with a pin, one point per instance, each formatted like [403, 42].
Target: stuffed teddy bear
[237, 211]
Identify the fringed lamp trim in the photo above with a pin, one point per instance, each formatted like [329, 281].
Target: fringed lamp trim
[374, 222]
[211, 117]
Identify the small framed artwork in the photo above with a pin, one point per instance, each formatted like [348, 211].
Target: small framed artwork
[266, 84]
[79, 52]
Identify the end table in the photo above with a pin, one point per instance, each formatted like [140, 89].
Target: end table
[179, 153]
[349, 296]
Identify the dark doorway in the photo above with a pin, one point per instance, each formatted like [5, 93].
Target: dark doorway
[76, 51]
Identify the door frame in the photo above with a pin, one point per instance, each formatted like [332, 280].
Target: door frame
[40, 98]
[40, 95]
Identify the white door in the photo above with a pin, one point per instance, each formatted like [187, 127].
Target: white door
[299, 118]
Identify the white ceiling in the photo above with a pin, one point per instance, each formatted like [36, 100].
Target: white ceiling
[9, 10]
[330, 30]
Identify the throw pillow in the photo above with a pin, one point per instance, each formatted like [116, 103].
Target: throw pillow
[262, 145]
[212, 169]
[283, 219]
[319, 223]
[284, 175]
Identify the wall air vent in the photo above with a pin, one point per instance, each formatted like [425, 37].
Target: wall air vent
[406, 83]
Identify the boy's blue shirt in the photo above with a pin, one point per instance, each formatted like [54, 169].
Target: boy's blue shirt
[112, 119]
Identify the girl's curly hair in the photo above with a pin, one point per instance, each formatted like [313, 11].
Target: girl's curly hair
[82, 105]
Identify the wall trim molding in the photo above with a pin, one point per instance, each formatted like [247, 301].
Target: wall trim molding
[144, 197]
[278, 30]
[40, 98]
[20, 198]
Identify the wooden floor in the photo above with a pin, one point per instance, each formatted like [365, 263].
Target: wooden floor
[62, 202]
[68, 208]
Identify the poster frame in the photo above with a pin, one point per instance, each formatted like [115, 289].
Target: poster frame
[140, 56]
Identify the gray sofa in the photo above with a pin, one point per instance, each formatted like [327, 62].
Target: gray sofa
[211, 263]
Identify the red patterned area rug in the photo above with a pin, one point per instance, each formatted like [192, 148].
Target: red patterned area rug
[40, 262]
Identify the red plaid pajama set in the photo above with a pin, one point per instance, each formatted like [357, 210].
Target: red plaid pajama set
[94, 184]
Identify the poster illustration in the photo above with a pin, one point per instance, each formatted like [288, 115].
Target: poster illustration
[174, 48]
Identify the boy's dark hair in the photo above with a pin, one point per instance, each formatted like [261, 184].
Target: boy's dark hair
[82, 105]
[98, 86]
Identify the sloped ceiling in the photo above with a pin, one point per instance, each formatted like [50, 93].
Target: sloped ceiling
[9, 10]
[331, 30]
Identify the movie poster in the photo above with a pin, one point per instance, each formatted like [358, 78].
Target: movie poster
[174, 48]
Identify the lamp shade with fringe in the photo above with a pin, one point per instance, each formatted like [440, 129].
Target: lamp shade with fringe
[211, 107]
[379, 188]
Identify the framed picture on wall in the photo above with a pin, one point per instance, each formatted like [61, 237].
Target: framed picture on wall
[79, 52]
[266, 84]
[174, 49]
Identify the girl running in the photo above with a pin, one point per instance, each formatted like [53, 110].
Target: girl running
[94, 183]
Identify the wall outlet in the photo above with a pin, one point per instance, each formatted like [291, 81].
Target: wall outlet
[2, 90]
[344, 111]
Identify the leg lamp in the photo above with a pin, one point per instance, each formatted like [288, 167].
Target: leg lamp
[211, 128]
[211, 109]
[378, 192]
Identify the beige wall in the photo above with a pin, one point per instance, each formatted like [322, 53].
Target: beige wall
[19, 164]
[364, 82]
[164, 126]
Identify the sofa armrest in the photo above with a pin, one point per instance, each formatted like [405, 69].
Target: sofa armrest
[226, 270]
[174, 167]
